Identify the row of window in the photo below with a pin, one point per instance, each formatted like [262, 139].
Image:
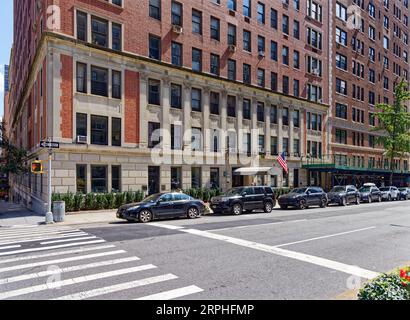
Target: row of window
[99, 130]
[372, 162]
[358, 138]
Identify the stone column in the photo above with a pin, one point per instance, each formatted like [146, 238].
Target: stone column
[223, 121]
[291, 134]
[254, 126]
[280, 128]
[166, 110]
[186, 104]
[206, 112]
[143, 110]
[239, 122]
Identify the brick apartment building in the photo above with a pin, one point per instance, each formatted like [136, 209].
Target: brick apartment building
[367, 61]
[224, 80]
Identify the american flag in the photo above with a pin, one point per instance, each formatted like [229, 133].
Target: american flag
[283, 163]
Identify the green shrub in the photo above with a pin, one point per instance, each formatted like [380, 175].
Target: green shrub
[110, 201]
[89, 202]
[129, 197]
[78, 202]
[69, 202]
[139, 196]
[385, 287]
[100, 202]
[56, 197]
[120, 199]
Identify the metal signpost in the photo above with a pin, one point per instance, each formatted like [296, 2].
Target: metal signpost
[50, 145]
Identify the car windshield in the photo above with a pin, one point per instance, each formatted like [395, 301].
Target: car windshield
[365, 189]
[403, 189]
[299, 190]
[384, 189]
[234, 192]
[152, 198]
[338, 189]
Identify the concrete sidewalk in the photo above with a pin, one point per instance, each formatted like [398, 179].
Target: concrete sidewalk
[91, 217]
[16, 215]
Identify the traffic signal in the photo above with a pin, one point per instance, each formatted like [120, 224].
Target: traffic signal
[37, 167]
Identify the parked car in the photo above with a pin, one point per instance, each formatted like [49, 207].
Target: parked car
[404, 193]
[370, 194]
[162, 205]
[303, 198]
[389, 193]
[242, 199]
[343, 195]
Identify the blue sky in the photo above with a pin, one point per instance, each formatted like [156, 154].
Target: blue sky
[6, 40]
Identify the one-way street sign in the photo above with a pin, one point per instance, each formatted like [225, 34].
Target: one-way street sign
[50, 145]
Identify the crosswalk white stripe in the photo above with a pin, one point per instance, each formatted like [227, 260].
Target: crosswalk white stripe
[58, 253]
[15, 231]
[57, 261]
[10, 247]
[38, 235]
[118, 287]
[66, 270]
[23, 240]
[173, 294]
[68, 240]
[72, 281]
[21, 234]
[9, 253]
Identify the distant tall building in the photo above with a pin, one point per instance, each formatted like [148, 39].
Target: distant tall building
[6, 78]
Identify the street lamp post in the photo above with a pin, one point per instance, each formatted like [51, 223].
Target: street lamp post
[49, 214]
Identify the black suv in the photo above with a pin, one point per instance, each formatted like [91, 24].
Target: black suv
[343, 195]
[304, 198]
[243, 199]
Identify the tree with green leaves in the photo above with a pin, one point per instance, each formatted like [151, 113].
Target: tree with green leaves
[394, 126]
[13, 159]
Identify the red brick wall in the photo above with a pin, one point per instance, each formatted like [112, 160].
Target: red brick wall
[44, 106]
[66, 97]
[136, 37]
[132, 107]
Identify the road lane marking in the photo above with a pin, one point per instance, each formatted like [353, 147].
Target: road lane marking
[72, 281]
[324, 237]
[68, 240]
[118, 287]
[63, 260]
[330, 264]
[23, 240]
[256, 225]
[166, 226]
[173, 294]
[58, 253]
[66, 270]
[9, 253]
[10, 247]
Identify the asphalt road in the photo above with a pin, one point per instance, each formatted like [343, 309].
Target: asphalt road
[311, 254]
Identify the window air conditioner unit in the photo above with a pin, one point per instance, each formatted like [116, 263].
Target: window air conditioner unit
[316, 72]
[261, 54]
[81, 139]
[232, 48]
[177, 29]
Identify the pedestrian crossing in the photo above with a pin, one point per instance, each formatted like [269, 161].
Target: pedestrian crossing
[64, 263]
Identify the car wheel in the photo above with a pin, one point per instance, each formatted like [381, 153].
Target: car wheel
[237, 209]
[323, 204]
[268, 207]
[343, 202]
[193, 213]
[302, 204]
[370, 199]
[358, 200]
[283, 207]
[380, 199]
[145, 216]
[389, 199]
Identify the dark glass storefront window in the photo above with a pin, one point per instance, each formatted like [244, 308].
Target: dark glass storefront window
[82, 179]
[99, 179]
[116, 178]
[176, 178]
